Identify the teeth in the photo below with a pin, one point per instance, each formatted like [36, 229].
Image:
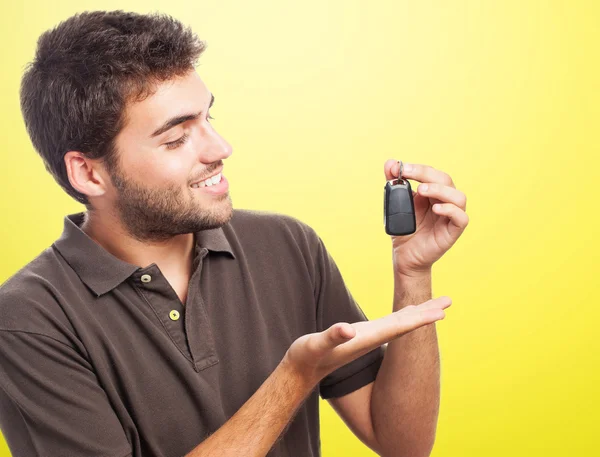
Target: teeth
[209, 182]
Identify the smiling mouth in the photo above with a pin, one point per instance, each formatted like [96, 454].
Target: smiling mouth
[216, 179]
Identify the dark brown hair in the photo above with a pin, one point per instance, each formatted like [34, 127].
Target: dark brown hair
[85, 71]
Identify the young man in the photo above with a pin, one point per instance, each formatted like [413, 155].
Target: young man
[164, 323]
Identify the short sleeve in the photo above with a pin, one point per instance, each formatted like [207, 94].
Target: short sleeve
[51, 404]
[336, 304]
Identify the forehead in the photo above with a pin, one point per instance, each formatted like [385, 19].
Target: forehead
[185, 94]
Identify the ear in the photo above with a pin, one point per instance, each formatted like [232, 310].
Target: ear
[86, 175]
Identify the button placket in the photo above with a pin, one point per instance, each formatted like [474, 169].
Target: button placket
[166, 305]
[198, 328]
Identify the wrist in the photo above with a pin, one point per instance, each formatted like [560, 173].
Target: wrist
[412, 275]
[412, 289]
[301, 377]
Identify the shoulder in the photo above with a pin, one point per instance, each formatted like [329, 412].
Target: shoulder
[268, 226]
[276, 239]
[30, 299]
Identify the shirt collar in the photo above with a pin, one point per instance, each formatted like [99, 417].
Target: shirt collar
[99, 269]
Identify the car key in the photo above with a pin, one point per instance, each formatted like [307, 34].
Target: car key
[398, 206]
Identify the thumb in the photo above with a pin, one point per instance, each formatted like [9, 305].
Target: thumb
[334, 336]
[391, 168]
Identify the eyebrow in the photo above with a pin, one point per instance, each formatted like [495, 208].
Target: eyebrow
[179, 119]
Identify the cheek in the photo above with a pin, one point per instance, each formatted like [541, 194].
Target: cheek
[174, 171]
[160, 168]
[164, 172]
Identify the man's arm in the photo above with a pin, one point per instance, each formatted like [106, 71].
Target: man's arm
[406, 393]
[403, 402]
[255, 427]
[396, 415]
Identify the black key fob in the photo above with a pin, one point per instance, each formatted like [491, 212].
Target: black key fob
[399, 208]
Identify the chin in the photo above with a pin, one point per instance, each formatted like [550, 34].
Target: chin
[221, 212]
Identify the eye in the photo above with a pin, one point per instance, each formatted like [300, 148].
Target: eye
[178, 142]
[209, 116]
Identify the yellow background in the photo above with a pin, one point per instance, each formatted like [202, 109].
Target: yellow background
[314, 96]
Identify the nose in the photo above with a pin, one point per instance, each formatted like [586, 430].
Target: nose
[217, 147]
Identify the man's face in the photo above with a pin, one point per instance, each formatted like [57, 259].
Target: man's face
[153, 193]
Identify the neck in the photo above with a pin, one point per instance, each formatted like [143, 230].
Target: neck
[171, 254]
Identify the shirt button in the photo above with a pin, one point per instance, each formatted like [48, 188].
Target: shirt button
[146, 278]
[174, 315]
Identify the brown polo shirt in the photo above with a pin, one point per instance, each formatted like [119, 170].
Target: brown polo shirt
[100, 358]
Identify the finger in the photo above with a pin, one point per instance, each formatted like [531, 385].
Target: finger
[443, 193]
[442, 302]
[420, 315]
[457, 216]
[335, 335]
[390, 168]
[424, 173]
[379, 331]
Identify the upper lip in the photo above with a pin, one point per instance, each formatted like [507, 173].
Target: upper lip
[204, 179]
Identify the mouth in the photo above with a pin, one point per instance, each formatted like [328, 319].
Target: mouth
[210, 181]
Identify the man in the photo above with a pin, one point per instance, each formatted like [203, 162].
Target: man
[163, 322]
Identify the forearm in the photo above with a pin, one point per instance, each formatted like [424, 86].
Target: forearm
[405, 396]
[255, 427]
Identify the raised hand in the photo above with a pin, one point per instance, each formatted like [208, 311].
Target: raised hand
[440, 210]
